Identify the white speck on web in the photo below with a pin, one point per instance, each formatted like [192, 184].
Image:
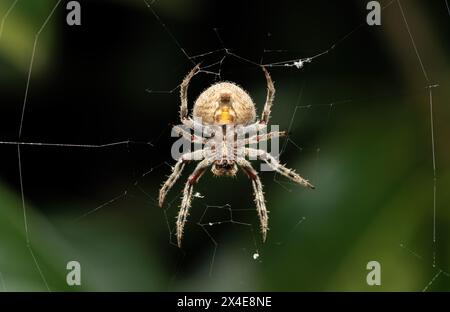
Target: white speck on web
[300, 63]
[198, 195]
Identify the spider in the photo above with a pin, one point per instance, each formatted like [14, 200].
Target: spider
[219, 111]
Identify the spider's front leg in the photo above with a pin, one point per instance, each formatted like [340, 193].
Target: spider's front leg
[269, 98]
[275, 165]
[258, 193]
[185, 119]
[183, 92]
[187, 196]
[176, 173]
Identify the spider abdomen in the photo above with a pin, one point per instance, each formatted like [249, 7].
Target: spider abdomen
[224, 103]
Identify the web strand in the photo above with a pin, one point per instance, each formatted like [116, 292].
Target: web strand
[413, 42]
[5, 17]
[430, 102]
[25, 219]
[74, 145]
[434, 163]
[25, 99]
[433, 265]
[203, 224]
[167, 30]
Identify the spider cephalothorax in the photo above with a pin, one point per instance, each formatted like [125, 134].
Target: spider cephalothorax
[225, 113]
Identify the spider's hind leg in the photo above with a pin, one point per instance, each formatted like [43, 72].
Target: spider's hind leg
[176, 173]
[260, 202]
[187, 197]
[261, 206]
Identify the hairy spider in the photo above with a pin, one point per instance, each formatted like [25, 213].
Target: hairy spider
[223, 112]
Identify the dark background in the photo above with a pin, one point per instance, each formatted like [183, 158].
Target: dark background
[364, 141]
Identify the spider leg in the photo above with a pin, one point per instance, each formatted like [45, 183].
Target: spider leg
[275, 165]
[258, 193]
[269, 98]
[192, 137]
[183, 92]
[264, 137]
[187, 196]
[245, 134]
[254, 128]
[176, 173]
[196, 125]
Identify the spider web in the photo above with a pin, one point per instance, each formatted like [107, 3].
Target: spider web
[213, 64]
